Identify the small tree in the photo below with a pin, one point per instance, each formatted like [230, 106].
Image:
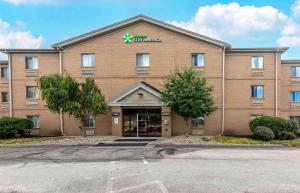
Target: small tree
[66, 95]
[188, 95]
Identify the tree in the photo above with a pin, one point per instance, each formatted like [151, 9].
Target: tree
[64, 94]
[187, 94]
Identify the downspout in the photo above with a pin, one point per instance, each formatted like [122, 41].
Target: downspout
[223, 90]
[10, 86]
[276, 84]
[61, 72]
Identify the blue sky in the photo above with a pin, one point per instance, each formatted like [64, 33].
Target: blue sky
[40, 23]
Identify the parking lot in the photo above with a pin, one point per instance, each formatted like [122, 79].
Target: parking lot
[148, 169]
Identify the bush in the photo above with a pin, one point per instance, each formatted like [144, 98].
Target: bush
[278, 125]
[14, 127]
[288, 135]
[263, 133]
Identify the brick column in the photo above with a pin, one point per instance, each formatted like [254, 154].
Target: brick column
[166, 116]
[117, 121]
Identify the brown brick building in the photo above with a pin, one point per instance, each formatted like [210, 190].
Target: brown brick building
[128, 61]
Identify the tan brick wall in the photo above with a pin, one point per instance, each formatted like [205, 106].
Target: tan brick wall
[115, 72]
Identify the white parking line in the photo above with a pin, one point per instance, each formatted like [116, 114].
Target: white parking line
[109, 186]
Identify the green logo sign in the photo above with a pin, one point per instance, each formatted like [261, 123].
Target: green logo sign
[127, 38]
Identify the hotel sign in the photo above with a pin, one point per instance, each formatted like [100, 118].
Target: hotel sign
[128, 39]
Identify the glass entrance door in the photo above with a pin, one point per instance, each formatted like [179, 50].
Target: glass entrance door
[142, 122]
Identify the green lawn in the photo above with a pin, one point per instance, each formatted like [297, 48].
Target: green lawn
[244, 140]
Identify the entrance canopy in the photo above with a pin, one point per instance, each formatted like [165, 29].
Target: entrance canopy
[141, 94]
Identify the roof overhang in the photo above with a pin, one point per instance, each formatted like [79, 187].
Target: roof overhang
[258, 50]
[118, 101]
[290, 61]
[32, 51]
[131, 21]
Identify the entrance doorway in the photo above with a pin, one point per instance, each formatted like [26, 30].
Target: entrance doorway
[142, 122]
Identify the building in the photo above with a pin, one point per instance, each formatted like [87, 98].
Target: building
[128, 60]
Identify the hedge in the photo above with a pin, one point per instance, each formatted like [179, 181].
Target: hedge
[263, 133]
[279, 126]
[14, 127]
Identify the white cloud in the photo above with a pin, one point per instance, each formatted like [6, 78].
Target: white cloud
[296, 8]
[233, 20]
[225, 21]
[17, 37]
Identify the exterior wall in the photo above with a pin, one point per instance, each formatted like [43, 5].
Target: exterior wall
[115, 65]
[238, 102]
[47, 64]
[289, 84]
[4, 108]
[115, 72]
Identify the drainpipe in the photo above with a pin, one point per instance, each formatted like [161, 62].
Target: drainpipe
[223, 90]
[61, 72]
[10, 86]
[276, 84]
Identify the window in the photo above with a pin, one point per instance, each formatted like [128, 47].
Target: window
[31, 63]
[4, 97]
[4, 72]
[296, 119]
[295, 96]
[35, 120]
[88, 60]
[197, 122]
[198, 60]
[142, 60]
[257, 92]
[32, 92]
[257, 62]
[89, 122]
[296, 71]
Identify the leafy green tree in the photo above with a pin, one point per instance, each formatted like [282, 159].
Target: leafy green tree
[64, 94]
[188, 95]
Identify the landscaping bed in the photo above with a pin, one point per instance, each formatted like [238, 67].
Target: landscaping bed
[182, 140]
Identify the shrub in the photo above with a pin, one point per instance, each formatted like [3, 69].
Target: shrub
[14, 127]
[263, 133]
[288, 135]
[278, 125]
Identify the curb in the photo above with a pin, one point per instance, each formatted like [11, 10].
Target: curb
[247, 146]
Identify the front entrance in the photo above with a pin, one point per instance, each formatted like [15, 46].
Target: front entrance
[142, 122]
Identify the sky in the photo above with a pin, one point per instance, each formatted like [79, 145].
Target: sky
[241, 23]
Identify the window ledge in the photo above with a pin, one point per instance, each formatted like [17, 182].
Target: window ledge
[35, 131]
[142, 70]
[90, 131]
[31, 73]
[32, 101]
[87, 71]
[257, 102]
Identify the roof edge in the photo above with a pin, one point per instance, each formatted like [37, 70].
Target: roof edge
[292, 61]
[7, 51]
[271, 49]
[120, 24]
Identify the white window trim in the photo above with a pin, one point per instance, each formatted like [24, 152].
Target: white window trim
[204, 59]
[31, 57]
[37, 93]
[91, 62]
[142, 65]
[253, 66]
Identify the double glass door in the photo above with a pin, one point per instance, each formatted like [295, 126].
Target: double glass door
[142, 122]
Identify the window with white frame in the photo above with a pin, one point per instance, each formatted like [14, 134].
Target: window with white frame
[32, 92]
[4, 97]
[257, 62]
[295, 96]
[35, 120]
[198, 60]
[295, 71]
[89, 122]
[87, 60]
[31, 63]
[257, 91]
[197, 122]
[142, 60]
[4, 72]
